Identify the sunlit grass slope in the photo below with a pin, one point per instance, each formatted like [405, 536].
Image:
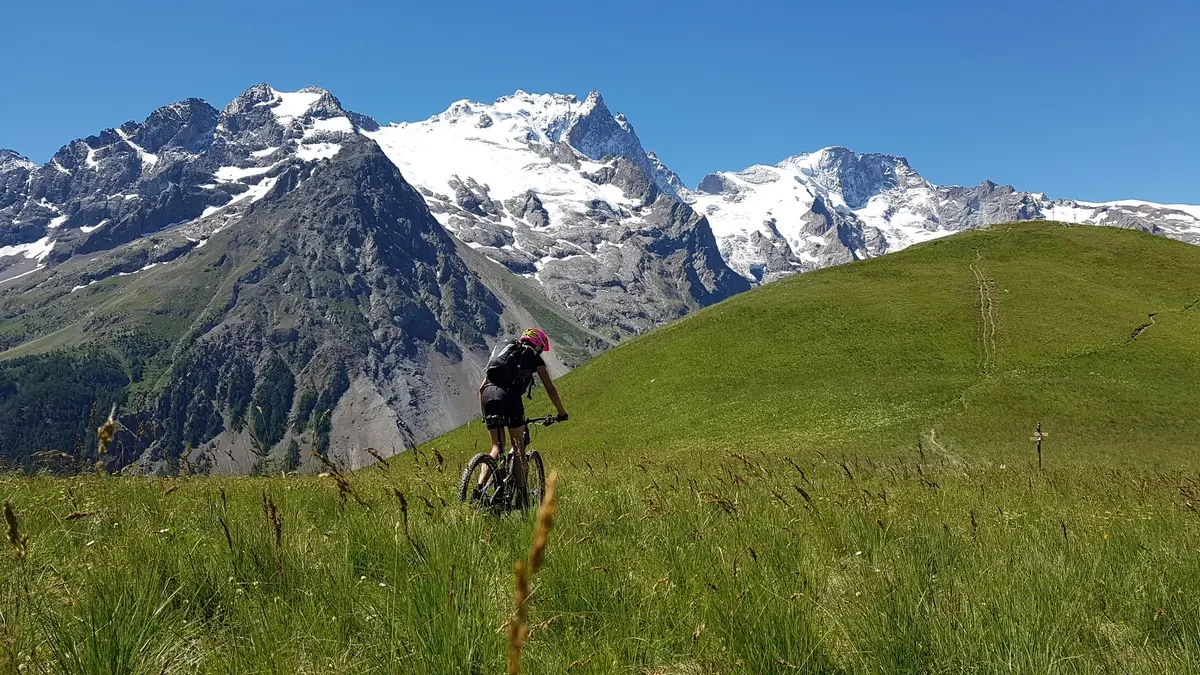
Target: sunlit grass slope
[965, 342]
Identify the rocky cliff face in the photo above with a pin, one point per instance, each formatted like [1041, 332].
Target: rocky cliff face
[344, 277]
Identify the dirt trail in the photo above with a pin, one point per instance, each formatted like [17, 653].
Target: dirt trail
[987, 316]
[1142, 328]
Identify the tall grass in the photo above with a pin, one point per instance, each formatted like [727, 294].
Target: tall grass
[728, 563]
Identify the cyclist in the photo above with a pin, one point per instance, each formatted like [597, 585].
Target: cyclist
[512, 366]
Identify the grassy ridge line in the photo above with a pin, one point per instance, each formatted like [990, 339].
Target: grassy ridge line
[871, 356]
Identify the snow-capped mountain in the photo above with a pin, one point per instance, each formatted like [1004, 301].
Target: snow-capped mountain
[562, 190]
[187, 167]
[554, 188]
[833, 206]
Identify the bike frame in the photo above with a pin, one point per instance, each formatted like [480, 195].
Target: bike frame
[505, 468]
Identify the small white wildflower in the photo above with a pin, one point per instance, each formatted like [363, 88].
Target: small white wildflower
[382, 585]
[858, 553]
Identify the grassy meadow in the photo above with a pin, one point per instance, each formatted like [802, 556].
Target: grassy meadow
[830, 474]
[726, 563]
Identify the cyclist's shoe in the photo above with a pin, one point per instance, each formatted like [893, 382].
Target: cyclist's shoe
[477, 494]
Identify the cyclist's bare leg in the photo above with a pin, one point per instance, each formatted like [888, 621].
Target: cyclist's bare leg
[497, 444]
[517, 434]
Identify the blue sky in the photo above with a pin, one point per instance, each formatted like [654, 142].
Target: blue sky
[1092, 100]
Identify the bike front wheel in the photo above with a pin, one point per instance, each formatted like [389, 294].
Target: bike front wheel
[485, 494]
[535, 480]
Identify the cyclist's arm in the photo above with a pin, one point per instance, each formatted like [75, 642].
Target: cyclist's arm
[550, 389]
[481, 386]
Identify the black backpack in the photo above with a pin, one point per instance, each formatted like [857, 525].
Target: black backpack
[504, 366]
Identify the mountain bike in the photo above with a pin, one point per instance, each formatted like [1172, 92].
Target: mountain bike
[501, 491]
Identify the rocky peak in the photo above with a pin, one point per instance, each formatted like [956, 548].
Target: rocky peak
[186, 125]
[597, 134]
[327, 107]
[249, 110]
[15, 170]
[546, 116]
[855, 177]
[539, 100]
[11, 160]
[259, 94]
[185, 161]
[665, 174]
[711, 184]
[262, 105]
[836, 157]
[263, 117]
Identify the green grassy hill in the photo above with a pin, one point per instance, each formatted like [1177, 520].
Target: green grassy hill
[965, 342]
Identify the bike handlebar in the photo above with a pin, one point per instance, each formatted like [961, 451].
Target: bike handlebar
[544, 421]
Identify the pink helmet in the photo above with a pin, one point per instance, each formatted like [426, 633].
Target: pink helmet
[536, 338]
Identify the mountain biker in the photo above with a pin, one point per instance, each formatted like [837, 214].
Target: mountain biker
[500, 402]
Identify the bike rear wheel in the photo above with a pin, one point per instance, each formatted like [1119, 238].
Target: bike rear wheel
[469, 488]
[535, 480]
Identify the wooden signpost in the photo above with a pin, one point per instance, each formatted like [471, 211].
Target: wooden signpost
[1037, 436]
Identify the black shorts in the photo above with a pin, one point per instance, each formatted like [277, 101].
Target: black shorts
[502, 408]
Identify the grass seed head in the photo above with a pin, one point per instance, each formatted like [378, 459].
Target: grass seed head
[403, 510]
[516, 625]
[105, 433]
[271, 511]
[19, 542]
[545, 521]
[524, 571]
[383, 462]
